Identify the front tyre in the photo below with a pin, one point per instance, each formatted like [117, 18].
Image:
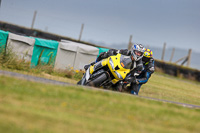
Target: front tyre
[98, 80]
[79, 82]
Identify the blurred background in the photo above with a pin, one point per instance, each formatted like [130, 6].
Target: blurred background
[110, 23]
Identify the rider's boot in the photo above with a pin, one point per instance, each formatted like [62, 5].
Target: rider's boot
[134, 88]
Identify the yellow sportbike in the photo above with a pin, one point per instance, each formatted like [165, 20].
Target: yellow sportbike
[108, 71]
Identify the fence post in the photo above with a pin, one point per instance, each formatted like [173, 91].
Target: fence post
[163, 52]
[46, 29]
[172, 55]
[33, 21]
[82, 26]
[130, 44]
[189, 57]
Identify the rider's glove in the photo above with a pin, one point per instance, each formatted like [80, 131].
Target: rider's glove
[129, 79]
[135, 81]
[151, 69]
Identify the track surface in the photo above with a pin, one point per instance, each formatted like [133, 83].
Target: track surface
[49, 81]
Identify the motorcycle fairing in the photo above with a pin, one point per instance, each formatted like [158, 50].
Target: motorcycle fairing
[119, 66]
[98, 65]
[116, 67]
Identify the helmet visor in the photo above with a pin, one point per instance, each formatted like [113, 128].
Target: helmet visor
[138, 53]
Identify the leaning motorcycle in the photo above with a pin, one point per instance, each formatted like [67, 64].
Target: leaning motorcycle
[108, 72]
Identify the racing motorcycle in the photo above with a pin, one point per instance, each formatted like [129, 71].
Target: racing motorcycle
[108, 72]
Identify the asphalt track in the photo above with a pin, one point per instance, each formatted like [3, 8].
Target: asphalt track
[49, 81]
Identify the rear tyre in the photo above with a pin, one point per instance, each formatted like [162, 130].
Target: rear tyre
[98, 80]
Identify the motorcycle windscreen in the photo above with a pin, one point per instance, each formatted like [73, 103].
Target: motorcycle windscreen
[116, 68]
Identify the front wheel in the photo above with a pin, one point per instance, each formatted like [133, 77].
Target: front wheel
[98, 80]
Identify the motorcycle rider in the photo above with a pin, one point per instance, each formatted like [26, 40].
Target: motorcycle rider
[148, 65]
[136, 54]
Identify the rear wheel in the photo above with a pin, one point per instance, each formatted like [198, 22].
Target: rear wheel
[98, 80]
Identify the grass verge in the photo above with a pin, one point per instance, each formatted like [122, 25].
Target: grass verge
[34, 107]
[167, 87]
[11, 61]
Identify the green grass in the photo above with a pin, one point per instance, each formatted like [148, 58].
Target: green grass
[167, 87]
[40, 108]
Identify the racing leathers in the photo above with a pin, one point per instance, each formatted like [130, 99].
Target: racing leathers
[148, 69]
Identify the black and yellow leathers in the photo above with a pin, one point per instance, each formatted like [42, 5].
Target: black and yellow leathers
[116, 67]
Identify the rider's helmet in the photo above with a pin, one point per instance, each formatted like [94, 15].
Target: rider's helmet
[147, 55]
[137, 52]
